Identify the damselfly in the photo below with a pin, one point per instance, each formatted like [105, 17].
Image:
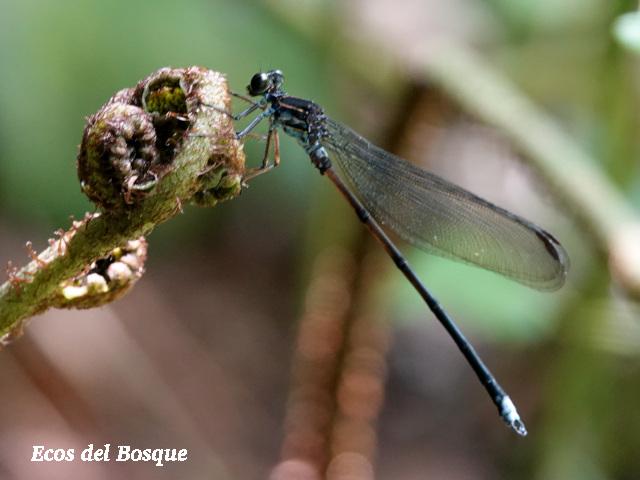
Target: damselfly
[424, 209]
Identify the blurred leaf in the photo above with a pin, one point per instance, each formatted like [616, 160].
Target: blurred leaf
[528, 16]
[626, 30]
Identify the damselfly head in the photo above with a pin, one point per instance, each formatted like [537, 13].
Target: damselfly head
[265, 82]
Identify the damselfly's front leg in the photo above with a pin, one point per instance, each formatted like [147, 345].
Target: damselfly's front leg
[254, 106]
[239, 116]
[254, 123]
[272, 135]
[244, 98]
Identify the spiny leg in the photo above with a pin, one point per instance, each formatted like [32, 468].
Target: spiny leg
[248, 132]
[238, 116]
[244, 97]
[253, 107]
[271, 134]
[254, 123]
[266, 166]
[276, 148]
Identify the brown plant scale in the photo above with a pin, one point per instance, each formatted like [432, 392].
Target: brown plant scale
[106, 279]
[148, 151]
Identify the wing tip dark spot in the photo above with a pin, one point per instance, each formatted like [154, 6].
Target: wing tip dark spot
[551, 244]
[555, 249]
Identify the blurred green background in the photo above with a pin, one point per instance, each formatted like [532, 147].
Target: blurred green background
[199, 355]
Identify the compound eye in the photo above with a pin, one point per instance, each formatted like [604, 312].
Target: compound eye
[259, 84]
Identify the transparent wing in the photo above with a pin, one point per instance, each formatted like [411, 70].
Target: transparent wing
[444, 219]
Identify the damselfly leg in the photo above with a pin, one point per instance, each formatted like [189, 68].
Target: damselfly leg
[238, 116]
[272, 137]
